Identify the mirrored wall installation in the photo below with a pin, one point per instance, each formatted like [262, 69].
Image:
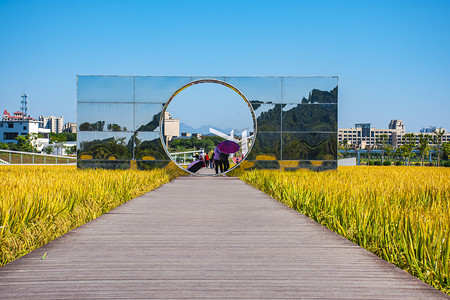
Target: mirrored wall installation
[146, 122]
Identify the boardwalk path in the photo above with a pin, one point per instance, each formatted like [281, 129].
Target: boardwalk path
[206, 238]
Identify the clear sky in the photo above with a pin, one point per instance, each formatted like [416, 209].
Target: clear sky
[392, 57]
[212, 104]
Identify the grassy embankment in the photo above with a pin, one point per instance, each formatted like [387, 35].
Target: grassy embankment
[39, 204]
[401, 214]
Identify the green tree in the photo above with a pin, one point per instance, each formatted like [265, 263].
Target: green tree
[368, 148]
[409, 143]
[63, 136]
[97, 126]
[114, 127]
[71, 150]
[24, 144]
[345, 146]
[438, 142]
[446, 149]
[58, 140]
[32, 137]
[423, 147]
[383, 143]
[4, 146]
[48, 149]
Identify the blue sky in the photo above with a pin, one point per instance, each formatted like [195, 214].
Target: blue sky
[212, 104]
[392, 57]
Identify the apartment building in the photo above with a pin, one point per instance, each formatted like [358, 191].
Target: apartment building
[55, 124]
[70, 127]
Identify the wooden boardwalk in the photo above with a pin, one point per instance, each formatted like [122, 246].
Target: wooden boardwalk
[206, 238]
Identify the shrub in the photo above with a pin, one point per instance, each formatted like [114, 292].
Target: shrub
[377, 163]
[446, 164]
[399, 163]
[387, 163]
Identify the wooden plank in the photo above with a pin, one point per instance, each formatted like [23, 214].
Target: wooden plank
[206, 238]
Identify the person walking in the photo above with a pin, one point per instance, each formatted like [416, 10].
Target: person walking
[225, 161]
[211, 160]
[217, 162]
[206, 161]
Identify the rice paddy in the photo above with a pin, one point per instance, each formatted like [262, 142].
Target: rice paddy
[41, 203]
[401, 214]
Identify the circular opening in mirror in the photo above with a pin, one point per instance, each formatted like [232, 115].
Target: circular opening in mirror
[208, 127]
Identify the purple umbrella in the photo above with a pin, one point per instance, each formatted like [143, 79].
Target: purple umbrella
[228, 147]
[195, 166]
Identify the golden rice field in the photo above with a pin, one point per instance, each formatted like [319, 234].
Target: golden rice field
[41, 203]
[401, 214]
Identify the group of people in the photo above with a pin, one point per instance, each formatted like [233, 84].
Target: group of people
[217, 160]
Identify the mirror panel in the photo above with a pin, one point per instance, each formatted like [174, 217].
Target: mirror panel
[147, 146]
[147, 116]
[310, 90]
[267, 146]
[105, 117]
[158, 89]
[268, 116]
[291, 122]
[105, 88]
[105, 145]
[306, 117]
[263, 89]
[315, 165]
[309, 146]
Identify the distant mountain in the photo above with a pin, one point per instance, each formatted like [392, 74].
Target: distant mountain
[203, 129]
[186, 128]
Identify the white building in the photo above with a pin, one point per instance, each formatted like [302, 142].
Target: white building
[55, 124]
[171, 127]
[363, 135]
[70, 127]
[17, 124]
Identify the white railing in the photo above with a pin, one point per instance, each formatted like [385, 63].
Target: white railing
[177, 155]
[36, 158]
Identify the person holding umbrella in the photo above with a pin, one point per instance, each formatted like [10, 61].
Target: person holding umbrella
[225, 148]
[217, 162]
[225, 162]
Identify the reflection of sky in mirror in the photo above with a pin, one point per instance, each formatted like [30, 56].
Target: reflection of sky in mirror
[262, 109]
[118, 115]
[105, 88]
[288, 107]
[266, 89]
[147, 116]
[157, 89]
[295, 89]
[211, 104]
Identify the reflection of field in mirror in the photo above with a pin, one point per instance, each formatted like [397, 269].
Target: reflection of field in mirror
[200, 118]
